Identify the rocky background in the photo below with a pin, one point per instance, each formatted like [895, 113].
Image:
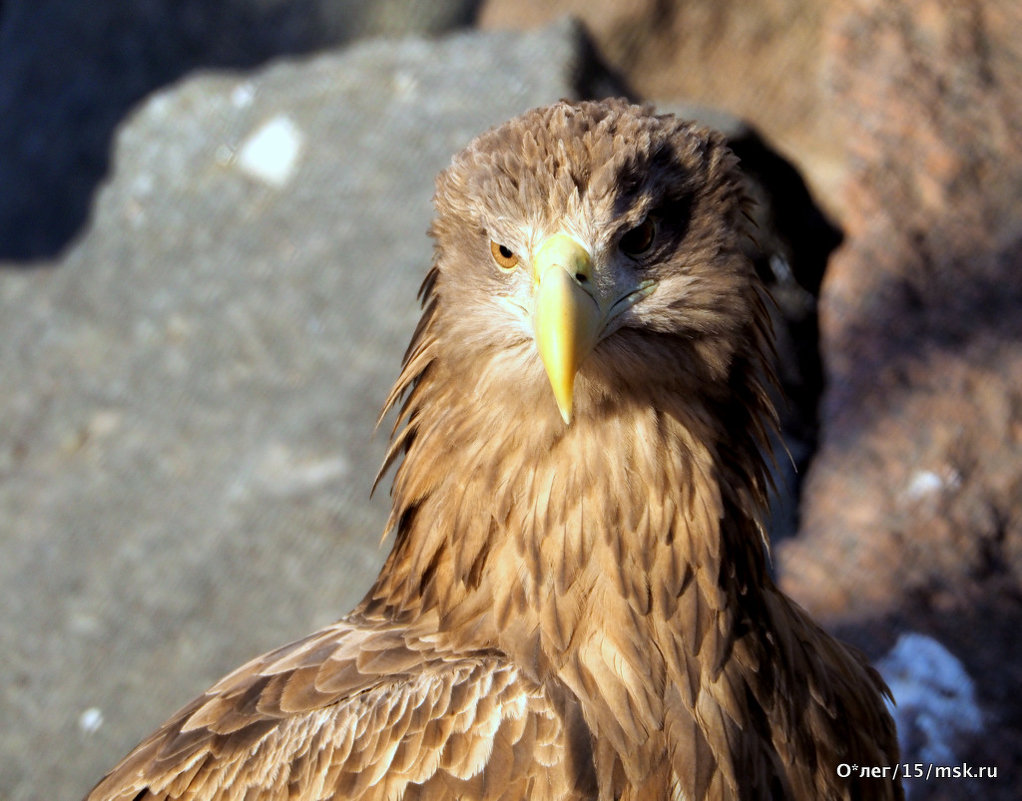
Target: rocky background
[212, 227]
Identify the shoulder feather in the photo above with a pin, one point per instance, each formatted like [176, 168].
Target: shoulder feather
[358, 712]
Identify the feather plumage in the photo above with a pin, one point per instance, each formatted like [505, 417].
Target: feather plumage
[570, 610]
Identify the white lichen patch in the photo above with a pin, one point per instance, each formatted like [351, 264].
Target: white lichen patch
[90, 720]
[271, 153]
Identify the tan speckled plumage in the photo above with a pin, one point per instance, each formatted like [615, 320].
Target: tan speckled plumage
[571, 610]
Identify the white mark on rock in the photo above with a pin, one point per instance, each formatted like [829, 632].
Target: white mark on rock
[282, 472]
[405, 83]
[243, 94]
[935, 697]
[271, 153]
[90, 720]
[223, 155]
[923, 482]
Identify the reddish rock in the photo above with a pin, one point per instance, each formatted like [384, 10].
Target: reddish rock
[912, 512]
[758, 61]
[921, 309]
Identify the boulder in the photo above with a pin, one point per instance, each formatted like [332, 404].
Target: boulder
[759, 61]
[912, 514]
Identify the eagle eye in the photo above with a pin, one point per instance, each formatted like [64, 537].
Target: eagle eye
[639, 239]
[506, 258]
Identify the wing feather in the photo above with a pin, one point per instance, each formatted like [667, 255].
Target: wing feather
[360, 712]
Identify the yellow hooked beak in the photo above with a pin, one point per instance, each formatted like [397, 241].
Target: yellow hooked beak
[567, 318]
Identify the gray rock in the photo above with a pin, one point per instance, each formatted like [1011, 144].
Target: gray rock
[189, 397]
[70, 71]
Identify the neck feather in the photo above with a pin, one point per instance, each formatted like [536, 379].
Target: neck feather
[549, 525]
[620, 557]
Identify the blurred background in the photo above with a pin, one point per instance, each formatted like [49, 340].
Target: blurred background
[212, 229]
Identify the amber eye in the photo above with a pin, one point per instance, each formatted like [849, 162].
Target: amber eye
[639, 239]
[506, 258]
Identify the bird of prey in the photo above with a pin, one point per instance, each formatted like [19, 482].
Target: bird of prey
[577, 604]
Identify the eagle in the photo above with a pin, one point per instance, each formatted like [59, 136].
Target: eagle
[577, 603]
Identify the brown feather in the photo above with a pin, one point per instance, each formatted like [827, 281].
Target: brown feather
[573, 611]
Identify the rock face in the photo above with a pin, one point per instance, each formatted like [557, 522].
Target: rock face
[913, 508]
[189, 396]
[759, 61]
